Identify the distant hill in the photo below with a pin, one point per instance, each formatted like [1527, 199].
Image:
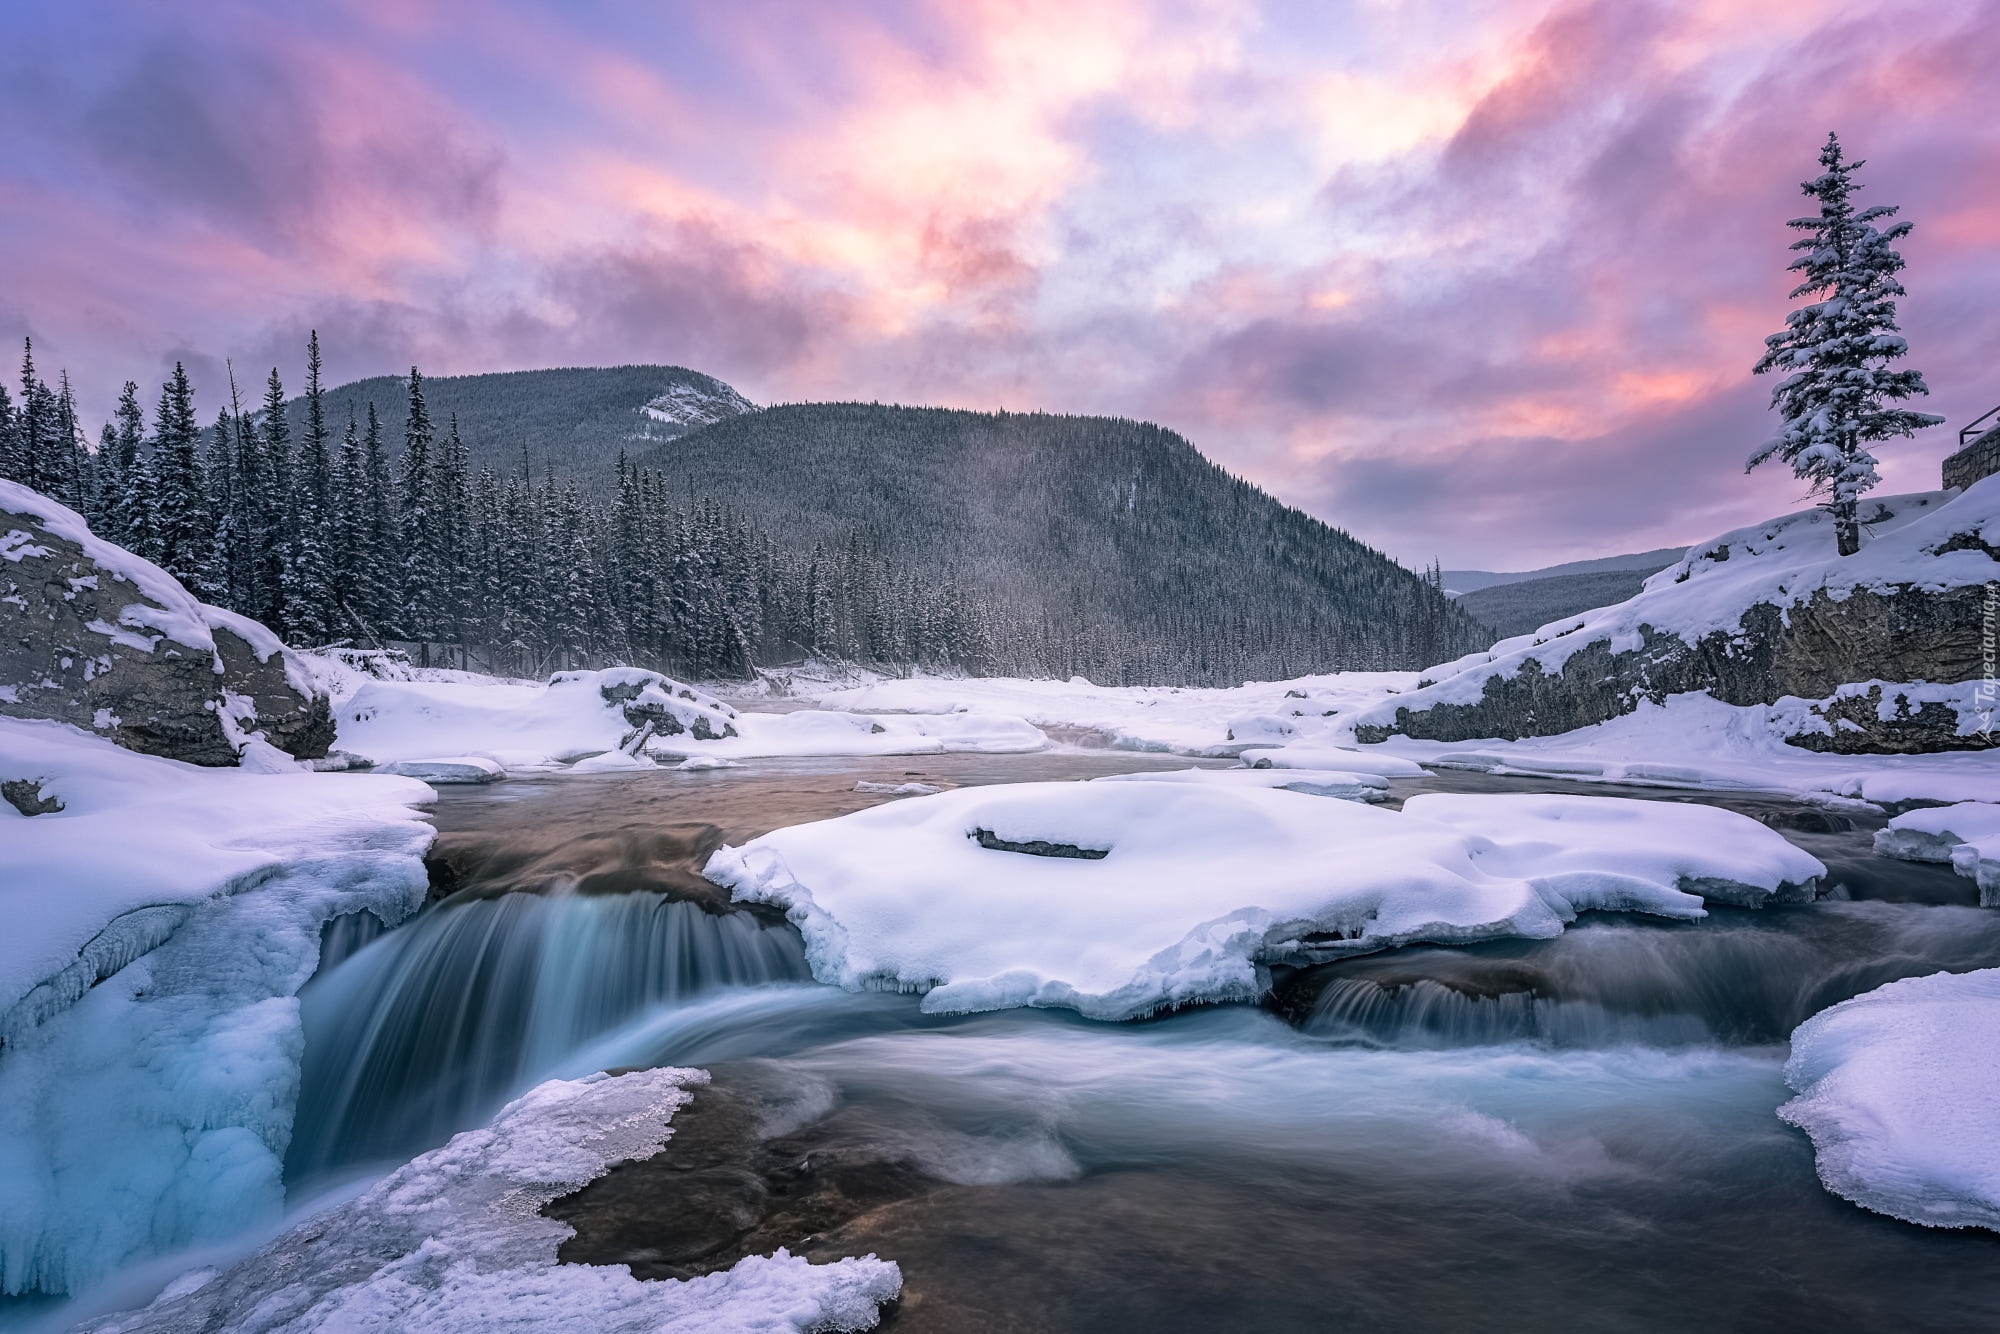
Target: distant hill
[1106, 548]
[1459, 582]
[1519, 608]
[1134, 551]
[576, 419]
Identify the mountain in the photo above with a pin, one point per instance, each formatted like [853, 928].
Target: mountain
[574, 420]
[1129, 551]
[1515, 604]
[1460, 582]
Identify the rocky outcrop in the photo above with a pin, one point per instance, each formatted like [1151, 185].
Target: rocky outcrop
[94, 636]
[1759, 617]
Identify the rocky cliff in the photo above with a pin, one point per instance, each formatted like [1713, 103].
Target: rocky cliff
[1860, 645]
[95, 636]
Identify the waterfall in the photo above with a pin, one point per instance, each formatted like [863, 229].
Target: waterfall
[424, 1031]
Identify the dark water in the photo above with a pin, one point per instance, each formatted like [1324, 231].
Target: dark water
[1566, 1134]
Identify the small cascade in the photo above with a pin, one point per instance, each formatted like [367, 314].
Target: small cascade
[1739, 979]
[424, 1031]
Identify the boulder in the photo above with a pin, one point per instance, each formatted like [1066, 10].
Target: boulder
[1768, 615]
[97, 637]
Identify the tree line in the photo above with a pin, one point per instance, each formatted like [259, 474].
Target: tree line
[328, 538]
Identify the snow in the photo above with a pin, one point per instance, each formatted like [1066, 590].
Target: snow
[1312, 782]
[1896, 1089]
[1782, 562]
[156, 929]
[1179, 892]
[1967, 835]
[449, 769]
[690, 407]
[584, 719]
[454, 1241]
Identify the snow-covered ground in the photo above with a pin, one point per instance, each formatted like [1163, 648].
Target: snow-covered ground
[1117, 899]
[155, 930]
[587, 719]
[453, 1241]
[1897, 1089]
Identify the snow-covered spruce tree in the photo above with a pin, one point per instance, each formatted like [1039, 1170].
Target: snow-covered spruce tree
[9, 450]
[377, 573]
[1835, 353]
[310, 614]
[182, 528]
[423, 572]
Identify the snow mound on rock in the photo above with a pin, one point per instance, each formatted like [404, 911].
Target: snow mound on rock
[525, 725]
[1896, 1089]
[1967, 835]
[454, 1241]
[1118, 899]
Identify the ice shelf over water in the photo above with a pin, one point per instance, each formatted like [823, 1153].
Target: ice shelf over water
[1118, 899]
[1967, 835]
[157, 926]
[1896, 1088]
[454, 1241]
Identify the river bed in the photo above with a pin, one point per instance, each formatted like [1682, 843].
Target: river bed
[1574, 1133]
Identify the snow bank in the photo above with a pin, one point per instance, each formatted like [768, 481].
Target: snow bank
[1117, 899]
[454, 1241]
[1171, 719]
[519, 724]
[1312, 782]
[1896, 1088]
[1967, 835]
[1694, 741]
[625, 718]
[156, 928]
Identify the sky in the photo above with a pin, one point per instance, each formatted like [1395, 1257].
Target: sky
[1479, 282]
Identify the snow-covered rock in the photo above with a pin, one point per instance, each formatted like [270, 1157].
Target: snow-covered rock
[1343, 785]
[95, 636]
[1759, 615]
[461, 768]
[690, 404]
[1117, 899]
[454, 1241]
[826, 732]
[1896, 1089]
[1307, 755]
[1967, 835]
[158, 918]
[525, 725]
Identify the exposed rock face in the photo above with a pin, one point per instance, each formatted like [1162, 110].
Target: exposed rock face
[1761, 616]
[94, 636]
[656, 705]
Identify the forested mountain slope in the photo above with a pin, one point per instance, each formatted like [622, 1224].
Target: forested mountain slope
[575, 420]
[1111, 548]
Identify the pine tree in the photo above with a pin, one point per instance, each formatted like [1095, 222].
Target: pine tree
[9, 437]
[224, 572]
[31, 426]
[377, 572]
[423, 571]
[74, 478]
[1833, 402]
[182, 531]
[346, 523]
[310, 615]
[454, 510]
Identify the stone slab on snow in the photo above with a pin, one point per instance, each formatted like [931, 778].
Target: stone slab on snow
[454, 1242]
[1118, 899]
[1896, 1088]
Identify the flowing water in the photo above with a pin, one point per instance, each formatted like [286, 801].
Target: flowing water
[1567, 1134]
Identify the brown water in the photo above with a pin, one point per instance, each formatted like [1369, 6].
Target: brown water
[1566, 1134]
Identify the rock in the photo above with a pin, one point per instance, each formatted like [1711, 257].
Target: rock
[656, 705]
[25, 796]
[447, 769]
[1761, 617]
[94, 636]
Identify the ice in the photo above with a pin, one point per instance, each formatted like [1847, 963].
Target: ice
[1313, 782]
[452, 769]
[156, 928]
[454, 1241]
[1118, 899]
[820, 732]
[1967, 835]
[1354, 759]
[1896, 1089]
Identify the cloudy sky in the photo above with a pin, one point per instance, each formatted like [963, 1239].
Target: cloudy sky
[1478, 280]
